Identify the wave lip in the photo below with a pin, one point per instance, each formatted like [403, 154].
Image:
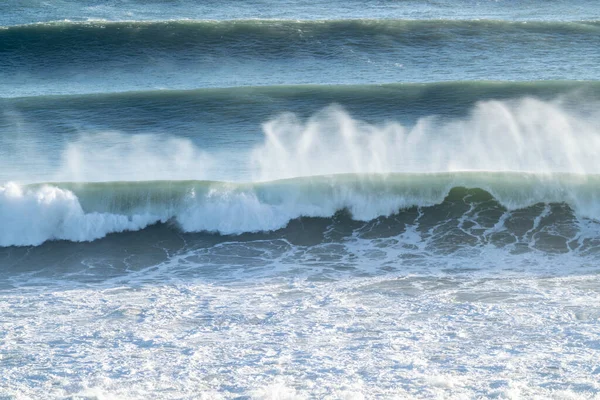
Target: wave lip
[33, 214]
[31, 217]
[463, 92]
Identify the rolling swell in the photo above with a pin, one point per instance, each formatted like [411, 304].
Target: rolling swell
[192, 54]
[284, 27]
[277, 28]
[88, 211]
[434, 93]
[246, 108]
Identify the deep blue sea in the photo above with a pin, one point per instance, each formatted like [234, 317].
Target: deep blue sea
[299, 199]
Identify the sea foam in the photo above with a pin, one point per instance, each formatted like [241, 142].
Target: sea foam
[522, 152]
[33, 214]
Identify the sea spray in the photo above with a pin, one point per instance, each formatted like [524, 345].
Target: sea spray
[520, 135]
[527, 135]
[521, 152]
[87, 211]
[113, 156]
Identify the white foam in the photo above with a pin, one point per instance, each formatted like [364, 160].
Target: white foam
[544, 139]
[31, 215]
[353, 338]
[278, 390]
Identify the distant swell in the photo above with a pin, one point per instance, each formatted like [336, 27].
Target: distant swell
[268, 38]
[31, 215]
[70, 57]
[421, 96]
[278, 26]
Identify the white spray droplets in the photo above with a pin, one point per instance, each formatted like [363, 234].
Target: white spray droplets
[526, 135]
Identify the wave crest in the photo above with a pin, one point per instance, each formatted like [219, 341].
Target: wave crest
[34, 214]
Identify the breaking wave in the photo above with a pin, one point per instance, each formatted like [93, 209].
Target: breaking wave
[33, 214]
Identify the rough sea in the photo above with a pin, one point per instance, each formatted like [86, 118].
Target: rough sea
[286, 199]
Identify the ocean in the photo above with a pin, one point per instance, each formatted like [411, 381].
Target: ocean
[299, 199]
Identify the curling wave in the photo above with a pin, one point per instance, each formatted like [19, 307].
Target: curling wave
[33, 214]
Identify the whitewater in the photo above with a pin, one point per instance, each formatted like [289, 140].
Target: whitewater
[337, 200]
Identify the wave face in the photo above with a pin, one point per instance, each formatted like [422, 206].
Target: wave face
[34, 214]
[196, 54]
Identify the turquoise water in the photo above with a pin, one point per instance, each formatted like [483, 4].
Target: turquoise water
[337, 200]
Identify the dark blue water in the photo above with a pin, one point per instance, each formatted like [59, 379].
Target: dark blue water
[299, 199]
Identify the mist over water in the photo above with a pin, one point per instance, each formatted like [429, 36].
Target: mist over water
[336, 200]
[520, 135]
[522, 152]
[525, 135]
[112, 156]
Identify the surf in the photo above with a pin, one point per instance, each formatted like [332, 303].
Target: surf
[33, 214]
[522, 152]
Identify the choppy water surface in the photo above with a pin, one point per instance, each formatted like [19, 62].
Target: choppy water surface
[301, 200]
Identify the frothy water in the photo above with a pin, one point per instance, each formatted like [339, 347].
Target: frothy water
[85, 212]
[328, 273]
[321, 236]
[409, 337]
[526, 151]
